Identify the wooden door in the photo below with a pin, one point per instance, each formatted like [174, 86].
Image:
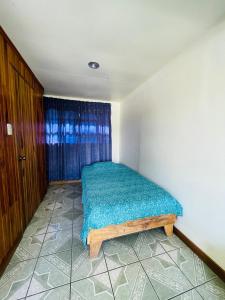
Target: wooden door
[22, 105]
[15, 208]
[4, 196]
[21, 150]
[22, 170]
[29, 173]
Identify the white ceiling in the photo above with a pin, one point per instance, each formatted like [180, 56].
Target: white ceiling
[131, 39]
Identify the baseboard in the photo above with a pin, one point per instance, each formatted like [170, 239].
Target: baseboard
[212, 264]
[64, 182]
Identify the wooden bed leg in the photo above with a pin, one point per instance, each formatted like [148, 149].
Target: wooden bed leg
[94, 248]
[168, 229]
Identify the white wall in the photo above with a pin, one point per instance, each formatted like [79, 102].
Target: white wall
[173, 131]
[115, 121]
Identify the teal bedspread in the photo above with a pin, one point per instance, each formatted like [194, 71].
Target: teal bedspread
[113, 194]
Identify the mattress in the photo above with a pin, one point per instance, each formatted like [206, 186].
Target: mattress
[114, 194]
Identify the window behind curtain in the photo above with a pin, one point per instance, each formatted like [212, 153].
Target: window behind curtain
[77, 134]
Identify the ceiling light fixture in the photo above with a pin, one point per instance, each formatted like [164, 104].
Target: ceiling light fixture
[93, 65]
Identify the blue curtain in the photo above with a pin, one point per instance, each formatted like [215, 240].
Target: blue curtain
[77, 134]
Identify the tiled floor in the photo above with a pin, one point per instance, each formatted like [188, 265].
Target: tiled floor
[51, 263]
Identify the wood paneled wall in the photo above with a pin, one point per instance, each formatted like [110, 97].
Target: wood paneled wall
[22, 154]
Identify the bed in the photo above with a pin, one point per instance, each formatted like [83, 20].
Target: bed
[119, 201]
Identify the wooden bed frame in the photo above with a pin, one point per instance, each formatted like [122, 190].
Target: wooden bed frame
[97, 236]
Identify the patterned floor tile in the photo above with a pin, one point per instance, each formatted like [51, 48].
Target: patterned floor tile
[131, 282]
[97, 287]
[212, 290]
[43, 212]
[78, 217]
[190, 295]
[37, 226]
[74, 194]
[48, 204]
[83, 266]
[78, 205]
[172, 243]
[159, 234]
[77, 213]
[70, 187]
[128, 240]
[56, 189]
[77, 224]
[60, 293]
[63, 206]
[56, 242]
[118, 253]
[192, 266]
[165, 276]
[16, 279]
[51, 271]
[76, 186]
[48, 196]
[45, 208]
[28, 248]
[76, 238]
[60, 222]
[77, 202]
[145, 245]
